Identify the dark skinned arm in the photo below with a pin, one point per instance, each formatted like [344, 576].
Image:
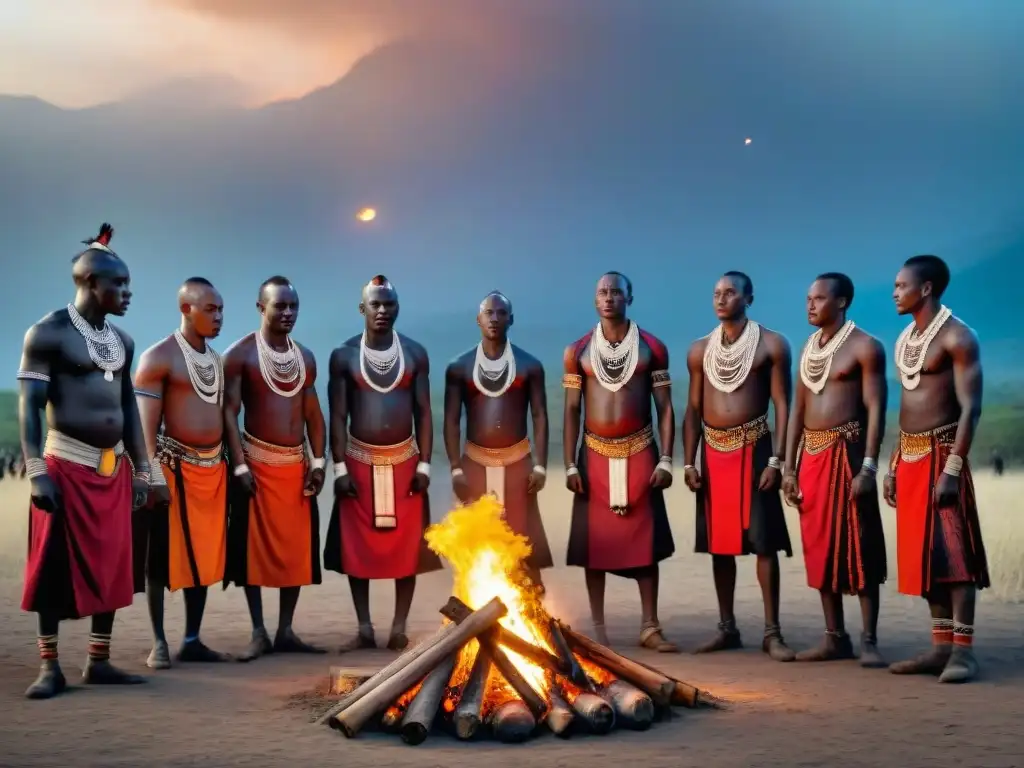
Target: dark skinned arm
[422, 417]
[573, 407]
[234, 368]
[781, 389]
[316, 428]
[134, 438]
[337, 403]
[875, 394]
[453, 415]
[964, 351]
[796, 426]
[41, 344]
[692, 417]
[151, 377]
[539, 413]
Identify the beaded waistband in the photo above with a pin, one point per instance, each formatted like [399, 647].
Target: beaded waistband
[498, 457]
[170, 451]
[917, 445]
[381, 455]
[268, 453]
[620, 447]
[817, 440]
[734, 438]
[60, 446]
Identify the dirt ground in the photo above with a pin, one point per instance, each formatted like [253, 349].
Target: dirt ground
[781, 714]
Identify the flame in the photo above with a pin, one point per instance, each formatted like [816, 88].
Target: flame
[486, 557]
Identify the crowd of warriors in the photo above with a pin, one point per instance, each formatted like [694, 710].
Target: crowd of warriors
[205, 469]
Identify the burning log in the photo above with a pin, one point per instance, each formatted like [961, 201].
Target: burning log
[594, 713]
[687, 695]
[423, 710]
[488, 640]
[650, 681]
[575, 671]
[560, 716]
[456, 610]
[468, 713]
[633, 708]
[420, 661]
[512, 722]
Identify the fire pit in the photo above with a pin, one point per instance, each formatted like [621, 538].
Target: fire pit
[507, 664]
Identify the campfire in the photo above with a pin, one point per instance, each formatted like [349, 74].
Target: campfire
[499, 662]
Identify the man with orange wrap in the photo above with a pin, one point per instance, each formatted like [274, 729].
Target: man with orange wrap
[181, 537]
[274, 530]
[835, 433]
[940, 554]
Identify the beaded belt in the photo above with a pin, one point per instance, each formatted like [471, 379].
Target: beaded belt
[268, 453]
[620, 447]
[915, 446]
[381, 455]
[498, 457]
[103, 460]
[170, 452]
[734, 438]
[817, 440]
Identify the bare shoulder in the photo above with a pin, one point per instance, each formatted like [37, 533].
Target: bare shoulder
[459, 365]
[656, 345]
[239, 352]
[776, 344]
[158, 355]
[960, 339]
[867, 346]
[46, 333]
[695, 353]
[415, 351]
[128, 341]
[307, 355]
[571, 355]
[526, 361]
[338, 362]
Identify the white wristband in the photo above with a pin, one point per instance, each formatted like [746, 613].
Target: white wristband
[340, 469]
[318, 462]
[775, 462]
[666, 465]
[35, 468]
[573, 470]
[423, 468]
[241, 469]
[540, 470]
[157, 477]
[457, 472]
[869, 465]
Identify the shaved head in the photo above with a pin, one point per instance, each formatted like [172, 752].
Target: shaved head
[493, 296]
[193, 289]
[277, 280]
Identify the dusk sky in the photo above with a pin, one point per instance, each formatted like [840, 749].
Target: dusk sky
[525, 145]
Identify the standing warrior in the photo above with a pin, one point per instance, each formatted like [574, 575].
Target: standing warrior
[939, 551]
[75, 365]
[498, 383]
[181, 543]
[382, 437]
[835, 432]
[619, 521]
[735, 372]
[274, 531]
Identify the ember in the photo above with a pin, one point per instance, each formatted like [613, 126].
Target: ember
[500, 660]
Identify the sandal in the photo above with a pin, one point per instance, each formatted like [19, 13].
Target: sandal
[651, 637]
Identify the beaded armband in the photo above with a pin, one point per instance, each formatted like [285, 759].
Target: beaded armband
[32, 376]
[660, 379]
[572, 381]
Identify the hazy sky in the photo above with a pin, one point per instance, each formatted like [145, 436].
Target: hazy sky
[512, 139]
[84, 52]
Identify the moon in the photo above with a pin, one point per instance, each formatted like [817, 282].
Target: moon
[366, 214]
[748, 141]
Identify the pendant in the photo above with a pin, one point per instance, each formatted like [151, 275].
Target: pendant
[108, 375]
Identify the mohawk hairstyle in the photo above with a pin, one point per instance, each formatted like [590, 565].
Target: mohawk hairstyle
[197, 281]
[379, 281]
[100, 242]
